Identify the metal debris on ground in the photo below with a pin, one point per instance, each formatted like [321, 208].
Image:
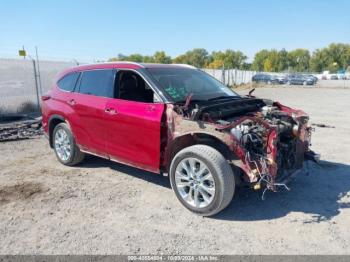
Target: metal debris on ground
[323, 125]
[20, 129]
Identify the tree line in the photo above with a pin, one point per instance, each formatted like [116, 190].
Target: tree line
[334, 57]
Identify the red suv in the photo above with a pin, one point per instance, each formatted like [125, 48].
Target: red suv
[178, 121]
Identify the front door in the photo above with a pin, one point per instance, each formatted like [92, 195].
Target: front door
[134, 123]
[133, 135]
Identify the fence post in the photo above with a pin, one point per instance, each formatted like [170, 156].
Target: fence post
[235, 76]
[36, 85]
[222, 76]
[38, 73]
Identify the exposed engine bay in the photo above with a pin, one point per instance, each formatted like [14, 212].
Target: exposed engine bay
[271, 139]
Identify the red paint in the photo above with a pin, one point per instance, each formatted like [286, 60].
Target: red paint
[85, 114]
[45, 97]
[272, 152]
[126, 131]
[121, 65]
[290, 111]
[133, 133]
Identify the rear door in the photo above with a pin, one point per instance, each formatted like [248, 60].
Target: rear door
[95, 88]
[134, 132]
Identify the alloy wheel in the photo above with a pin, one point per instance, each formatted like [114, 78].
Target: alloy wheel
[194, 182]
[62, 144]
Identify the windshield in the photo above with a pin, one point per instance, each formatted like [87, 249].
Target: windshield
[179, 83]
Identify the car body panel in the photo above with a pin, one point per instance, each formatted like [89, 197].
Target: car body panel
[133, 133]
[88, 122]
[179, 127]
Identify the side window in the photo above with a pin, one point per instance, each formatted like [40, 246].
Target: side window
[97, 83]
[132, 87]
[68, 82]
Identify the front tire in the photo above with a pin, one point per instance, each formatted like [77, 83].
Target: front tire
[66, 150]
[202, 179]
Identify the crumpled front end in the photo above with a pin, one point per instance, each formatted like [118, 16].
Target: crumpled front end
[270, 143]
[268, 140]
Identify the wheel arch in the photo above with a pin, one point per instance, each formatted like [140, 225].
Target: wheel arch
[54, 120]
[191, 139]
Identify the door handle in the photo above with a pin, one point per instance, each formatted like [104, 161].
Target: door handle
[151, 108]
[71, 102]
[111, 111]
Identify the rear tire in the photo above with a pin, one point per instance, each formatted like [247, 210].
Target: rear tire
[221, 183]
[66, 150]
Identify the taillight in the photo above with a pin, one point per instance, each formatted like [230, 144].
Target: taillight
[45, 97]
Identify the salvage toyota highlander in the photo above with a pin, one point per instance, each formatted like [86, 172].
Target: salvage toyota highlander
[178, 121]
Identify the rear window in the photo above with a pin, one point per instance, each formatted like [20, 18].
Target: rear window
[98, 83]
[68, 82]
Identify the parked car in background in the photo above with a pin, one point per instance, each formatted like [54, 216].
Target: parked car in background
[282, 79]
[299, 79]
[274, 79]
[313, 77]
[265, 78]
[334, 77]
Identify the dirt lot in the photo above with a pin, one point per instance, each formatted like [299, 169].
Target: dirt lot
[103, 207]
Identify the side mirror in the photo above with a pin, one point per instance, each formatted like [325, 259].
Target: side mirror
[251, 92]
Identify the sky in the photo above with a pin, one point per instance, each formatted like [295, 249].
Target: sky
[90, 30]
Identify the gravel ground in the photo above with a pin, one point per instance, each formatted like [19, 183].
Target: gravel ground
[101, 207]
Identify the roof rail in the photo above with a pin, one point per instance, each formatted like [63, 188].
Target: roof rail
[186, 65]
[122, 62]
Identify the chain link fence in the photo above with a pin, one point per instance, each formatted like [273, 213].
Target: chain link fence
[18, 91]
[17, 83]
[231, 77]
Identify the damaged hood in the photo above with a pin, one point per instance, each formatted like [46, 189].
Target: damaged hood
[231, 109]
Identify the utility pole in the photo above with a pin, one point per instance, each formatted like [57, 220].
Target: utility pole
[24, 54]
[36, 83]
[38, 71]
